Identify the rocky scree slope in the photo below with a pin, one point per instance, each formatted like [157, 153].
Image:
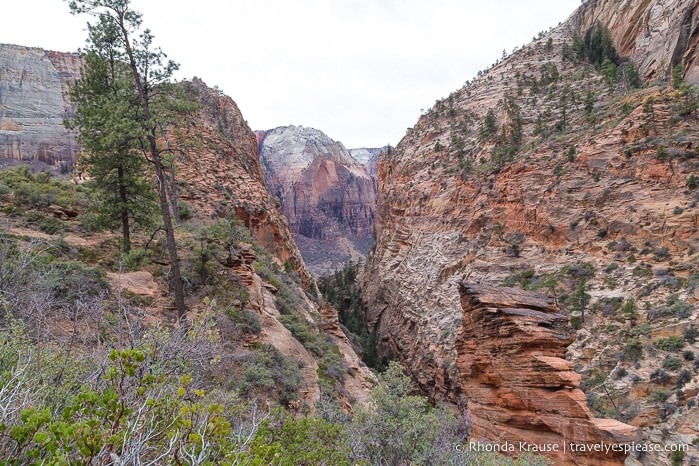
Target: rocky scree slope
[548, 172]
[327, 196]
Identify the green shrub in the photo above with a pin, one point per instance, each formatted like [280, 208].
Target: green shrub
[72, 280]
[658, 396]
[677, 457]
[634, 350]
[683, 377]
[662, 253]
[245, 320]
[134, 260]
[45, 223]
[185, 210]
[285, 440]
[576, 322]
[673, 343]
[672, 363]
[299, 327]
[268, 372]
[611, 267]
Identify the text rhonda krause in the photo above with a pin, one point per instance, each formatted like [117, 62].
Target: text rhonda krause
[607, 448]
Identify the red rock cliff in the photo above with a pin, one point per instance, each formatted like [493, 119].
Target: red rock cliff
[223, 174]
[327, 196]
[520, 388]
[511, 177]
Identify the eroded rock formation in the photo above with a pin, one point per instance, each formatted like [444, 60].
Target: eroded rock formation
[327, 196]
[222, 174]
[520, 388]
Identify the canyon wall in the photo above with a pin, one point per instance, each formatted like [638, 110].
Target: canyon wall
[546, 172]
[33, 105]
[657, 35]
[218, 174]
[327, 196]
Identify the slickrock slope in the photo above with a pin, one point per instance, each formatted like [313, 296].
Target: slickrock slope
[545, 173]
[327, 196]
[520, 388]
[33, 105]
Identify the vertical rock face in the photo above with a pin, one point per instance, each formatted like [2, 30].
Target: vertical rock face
[656, 34]
[520, 389]
[34, 103]
[327, 196]
[549, 189]
[368, 158]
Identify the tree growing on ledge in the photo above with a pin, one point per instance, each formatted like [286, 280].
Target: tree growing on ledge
[157, 104]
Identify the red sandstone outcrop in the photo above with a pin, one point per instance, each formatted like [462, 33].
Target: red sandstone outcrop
[327, 196]
[222, 174]
[520, 388]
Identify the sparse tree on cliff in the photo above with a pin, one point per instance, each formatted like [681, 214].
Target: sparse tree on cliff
[157, 103]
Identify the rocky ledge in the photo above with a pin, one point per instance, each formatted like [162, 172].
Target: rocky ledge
[520, 389]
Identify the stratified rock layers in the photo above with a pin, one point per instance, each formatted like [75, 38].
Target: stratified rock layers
[34, 103]
[455, 202]
[520, 389]
[327, 196]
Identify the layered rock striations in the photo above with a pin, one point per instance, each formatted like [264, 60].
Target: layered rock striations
[221, 174]
[327, 196]
[543, 167]
[520, 387]
[33, 105]
[657, 35]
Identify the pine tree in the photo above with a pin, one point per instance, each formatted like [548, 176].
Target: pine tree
[157, 106]
[104, 98]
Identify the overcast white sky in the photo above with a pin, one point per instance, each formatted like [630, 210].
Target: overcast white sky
[358, 70]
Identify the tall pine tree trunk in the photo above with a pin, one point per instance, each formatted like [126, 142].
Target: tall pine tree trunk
[157, 161]
[125, 231]
[177, 285]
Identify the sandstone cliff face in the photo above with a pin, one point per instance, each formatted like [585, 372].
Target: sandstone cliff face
[368, 158]
[520, 388]
[327, 196]
[223, 174]
[550, 189]
[656, 34]
[34, 103]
